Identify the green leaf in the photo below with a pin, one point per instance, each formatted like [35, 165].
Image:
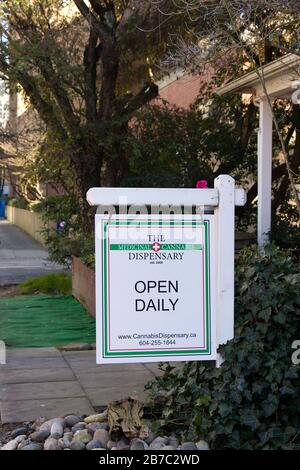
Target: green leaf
[248, 418]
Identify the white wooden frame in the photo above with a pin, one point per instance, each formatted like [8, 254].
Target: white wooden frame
[160, 196]
[264, 170]
[277, 79]
[222, 198]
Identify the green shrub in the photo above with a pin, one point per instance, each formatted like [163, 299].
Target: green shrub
[253, 400]
[173, 147]
[89, 259]
[71, 239]
[54, 283]
[20, 203]
[286, 226]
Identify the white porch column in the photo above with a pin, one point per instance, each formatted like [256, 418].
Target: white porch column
[264, 172]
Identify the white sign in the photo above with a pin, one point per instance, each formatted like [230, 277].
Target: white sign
[155, 288]
[165, 284]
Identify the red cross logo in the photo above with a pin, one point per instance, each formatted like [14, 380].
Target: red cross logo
[155, 246]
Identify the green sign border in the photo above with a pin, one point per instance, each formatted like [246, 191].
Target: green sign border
[105, 247]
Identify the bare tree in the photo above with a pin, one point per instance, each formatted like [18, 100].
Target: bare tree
[235, 36]
[85, 73]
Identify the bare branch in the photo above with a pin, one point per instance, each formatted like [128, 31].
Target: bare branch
[98, 26]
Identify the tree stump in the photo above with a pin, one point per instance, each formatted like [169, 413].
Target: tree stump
[124, 418]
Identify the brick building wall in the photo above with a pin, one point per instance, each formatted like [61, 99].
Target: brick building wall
[181, 90]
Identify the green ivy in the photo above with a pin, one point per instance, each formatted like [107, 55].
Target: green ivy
[253, 400]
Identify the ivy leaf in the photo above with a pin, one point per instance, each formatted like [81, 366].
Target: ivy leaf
[265, 314]
[287, 390]
[248, 418]
[225, 409]
[280, 318]
[269, 407]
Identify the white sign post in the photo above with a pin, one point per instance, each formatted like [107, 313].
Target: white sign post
[164, 283]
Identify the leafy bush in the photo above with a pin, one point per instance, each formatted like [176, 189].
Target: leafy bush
[62, 207]
[20, 203]
[69, 239]
[173, 147]
[54, 283]
[64, 244]
[253, 400]
[286, 226]
[89, 258]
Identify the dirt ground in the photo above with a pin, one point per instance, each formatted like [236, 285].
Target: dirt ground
[5, 430]
[8, 291]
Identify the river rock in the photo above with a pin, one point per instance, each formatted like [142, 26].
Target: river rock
[61, 443]
[57, 428]
[82, 436]
[40, 436]
[19, 432]
[102, 435]
[77, 445]
[138, 444]
[67, 439]
[23, 443]
[92, 427]
[51, 444]
[188, 446]
[146, 434]
[47, 424]
[38, 423]
[158, 443]
[104, 426]
[21, 438]
[168, 447]
[11, 445]
[202, 445]
[111, 444]
[173, 441]
[94, 444]
[33, 446]
[122, 444]
[79, 426]
[100, 418]
[71, 420]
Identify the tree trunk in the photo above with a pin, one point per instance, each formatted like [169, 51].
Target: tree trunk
[88, 175]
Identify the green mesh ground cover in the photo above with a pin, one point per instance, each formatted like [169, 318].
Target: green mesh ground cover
[41, 320]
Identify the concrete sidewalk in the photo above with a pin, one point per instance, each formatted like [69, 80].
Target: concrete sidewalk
[47, 382]
[21, 256]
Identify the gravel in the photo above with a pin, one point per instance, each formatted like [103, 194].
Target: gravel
[74, 432]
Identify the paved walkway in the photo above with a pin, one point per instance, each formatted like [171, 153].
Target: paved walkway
[21, 256]
[47, 382]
